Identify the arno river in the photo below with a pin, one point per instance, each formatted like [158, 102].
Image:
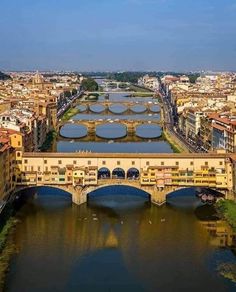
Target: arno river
[112, 131]
[118, 241]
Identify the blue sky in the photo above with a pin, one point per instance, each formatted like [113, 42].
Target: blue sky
[108, 35]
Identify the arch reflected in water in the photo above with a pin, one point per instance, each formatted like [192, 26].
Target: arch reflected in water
[82, 108]
[48, 197]
[155, 108]
[185, 198]
[138, 109]
[111, 131]
[73, 131]
[97, 108]
[118, 173]
[148, 131]
[119, 197]
[118, 108]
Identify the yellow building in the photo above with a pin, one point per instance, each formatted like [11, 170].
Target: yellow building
[7, 178]
[161, 170]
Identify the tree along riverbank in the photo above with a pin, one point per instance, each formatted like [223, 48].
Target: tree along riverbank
[174, 145]
[227, 210]
[7, 247]
[70, 113]
[47, 145]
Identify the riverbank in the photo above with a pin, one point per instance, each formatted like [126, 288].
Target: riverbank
[227, 210]
[7, 248]
[51, 136]
[140, 89]
[174, 145]
[141, 94]
[70, 113]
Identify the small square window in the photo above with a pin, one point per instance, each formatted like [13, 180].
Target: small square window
[177, 163]
[74, 162]
[45, 161]
[147, 163]
[89, 162]
[191, 163]
[118, 162]
[206, 163]
[162, 163]
[133, 162]
[26, 161]
[104, 163]
[59, 162]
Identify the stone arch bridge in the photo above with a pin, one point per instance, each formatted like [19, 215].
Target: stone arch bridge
[156, 174]
[128, 106]
[91, 126]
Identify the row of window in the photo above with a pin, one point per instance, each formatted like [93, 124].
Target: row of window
[119, 163]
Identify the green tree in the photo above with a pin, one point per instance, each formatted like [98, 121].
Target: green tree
[89, 84]
[74, 91]
[67, 94]
[4, 76]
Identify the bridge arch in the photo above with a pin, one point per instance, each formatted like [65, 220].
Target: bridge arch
[70, 131]
[96, 108]
[201, 194]
[106, 130]
[118, 173]
[118, 108]
[138, 109]
[124, 189]
[23, 192]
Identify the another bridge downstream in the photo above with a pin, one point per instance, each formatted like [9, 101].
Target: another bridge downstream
[124, 107]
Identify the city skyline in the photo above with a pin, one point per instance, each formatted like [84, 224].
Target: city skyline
[162, 35]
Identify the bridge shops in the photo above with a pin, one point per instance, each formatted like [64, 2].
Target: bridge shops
[159, 170]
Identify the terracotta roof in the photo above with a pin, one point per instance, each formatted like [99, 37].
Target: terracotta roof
[219, 127]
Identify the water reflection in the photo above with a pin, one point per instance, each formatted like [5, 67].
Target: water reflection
[118, 147]
[148, 131]
[111, 131]
[97, 108]
[138, 108]
[127, 144]
[118, 108]
[110, 246]
[73, 131]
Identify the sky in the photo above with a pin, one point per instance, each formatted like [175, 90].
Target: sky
[118, 35]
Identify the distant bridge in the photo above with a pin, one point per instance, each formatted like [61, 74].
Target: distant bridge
[129, 107]
[92, 125]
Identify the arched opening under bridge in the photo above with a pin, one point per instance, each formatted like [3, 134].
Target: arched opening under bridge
[50, 197]
[192, 197]
[118, 197]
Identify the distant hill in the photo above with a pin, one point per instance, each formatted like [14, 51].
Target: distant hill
[4, 76]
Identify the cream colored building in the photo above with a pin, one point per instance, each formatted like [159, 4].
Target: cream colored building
[183, 170]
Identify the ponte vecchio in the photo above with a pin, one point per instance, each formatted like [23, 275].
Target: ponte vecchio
[157, 174]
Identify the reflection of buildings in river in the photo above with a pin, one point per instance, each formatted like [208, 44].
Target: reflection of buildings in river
[221, 233]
